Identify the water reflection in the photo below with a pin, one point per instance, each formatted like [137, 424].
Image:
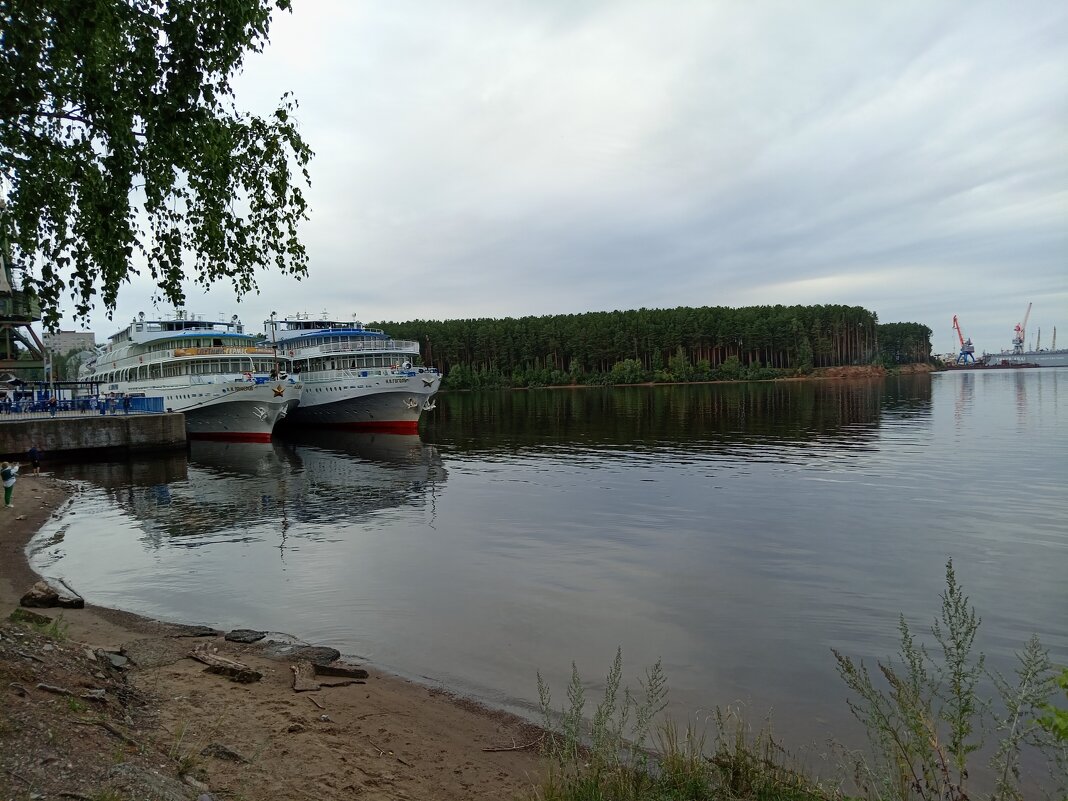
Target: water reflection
[1021, 395]
[686, 418]
[148, 471]
[965, 396]
[232, 489]
[347, 475]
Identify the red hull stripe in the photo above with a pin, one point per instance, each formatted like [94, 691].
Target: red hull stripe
[380, 427]
[233, 436]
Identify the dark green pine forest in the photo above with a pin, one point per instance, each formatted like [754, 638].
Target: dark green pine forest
[664, 345]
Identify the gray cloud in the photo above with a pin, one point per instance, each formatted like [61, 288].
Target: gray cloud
[493, 159]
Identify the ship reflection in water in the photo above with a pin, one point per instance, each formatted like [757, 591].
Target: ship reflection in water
[243, 491]
[782, 519]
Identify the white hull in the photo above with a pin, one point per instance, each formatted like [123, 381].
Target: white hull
[221, 409]
[391, 402]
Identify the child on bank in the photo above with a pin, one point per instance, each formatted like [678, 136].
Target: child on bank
[8, 474]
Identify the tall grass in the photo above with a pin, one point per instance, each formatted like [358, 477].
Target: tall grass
[926, 721]
[928, 728]
[620, 755]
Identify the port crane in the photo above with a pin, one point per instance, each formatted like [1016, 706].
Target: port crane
[967, 349]
[1019, 331]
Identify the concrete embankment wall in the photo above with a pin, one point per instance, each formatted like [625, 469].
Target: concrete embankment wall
[73, 437]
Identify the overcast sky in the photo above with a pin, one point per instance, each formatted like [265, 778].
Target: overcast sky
[492, 158]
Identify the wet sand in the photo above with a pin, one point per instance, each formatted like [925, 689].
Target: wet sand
[385, 739]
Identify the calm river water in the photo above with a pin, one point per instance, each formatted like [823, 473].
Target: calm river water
[737, 532]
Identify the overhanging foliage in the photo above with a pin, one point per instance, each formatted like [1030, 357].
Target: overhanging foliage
[120, 146]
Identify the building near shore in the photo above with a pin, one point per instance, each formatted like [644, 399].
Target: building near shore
[66, 341]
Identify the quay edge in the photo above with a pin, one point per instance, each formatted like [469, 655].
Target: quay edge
[65, 438]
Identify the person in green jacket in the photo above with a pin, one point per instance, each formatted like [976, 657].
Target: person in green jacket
[8, 473]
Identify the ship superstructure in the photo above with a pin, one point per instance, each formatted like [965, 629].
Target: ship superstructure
[229, 384]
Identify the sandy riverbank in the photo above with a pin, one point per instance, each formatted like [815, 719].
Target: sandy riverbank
[385, 739]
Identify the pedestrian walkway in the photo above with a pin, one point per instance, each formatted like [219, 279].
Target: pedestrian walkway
[80, 407]
[14, 416]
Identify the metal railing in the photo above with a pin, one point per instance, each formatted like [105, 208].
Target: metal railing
[103, 364]
[80, 407]
[385, 346]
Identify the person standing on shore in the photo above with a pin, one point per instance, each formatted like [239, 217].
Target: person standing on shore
[8, 473]
[35, 459]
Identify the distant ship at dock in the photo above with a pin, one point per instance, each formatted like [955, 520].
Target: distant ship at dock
[1037, 358]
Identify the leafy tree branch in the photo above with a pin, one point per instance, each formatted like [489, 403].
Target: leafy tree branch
[121, 149]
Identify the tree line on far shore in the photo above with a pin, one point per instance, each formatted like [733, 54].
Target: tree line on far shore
[664, 345]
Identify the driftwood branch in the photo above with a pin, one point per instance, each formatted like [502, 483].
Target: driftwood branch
[223, 666]
[205, 653]
[112, 728]
[515, 747]
[51, 688]
[92, 695]
[15, 775]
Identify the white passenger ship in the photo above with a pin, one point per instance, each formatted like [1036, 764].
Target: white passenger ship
[354, 377]
[228, 384]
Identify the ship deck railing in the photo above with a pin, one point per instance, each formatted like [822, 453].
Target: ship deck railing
[104, 362]
[317, 376]
[403, 346]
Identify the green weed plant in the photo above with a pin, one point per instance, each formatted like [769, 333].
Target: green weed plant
[928, 728]
[926, 721]
[622, 754]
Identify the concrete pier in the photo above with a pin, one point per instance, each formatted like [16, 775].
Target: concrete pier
[92, 436]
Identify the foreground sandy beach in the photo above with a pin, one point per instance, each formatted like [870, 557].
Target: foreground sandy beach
[159, 726]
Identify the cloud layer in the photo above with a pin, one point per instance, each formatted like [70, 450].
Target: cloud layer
[485, 158]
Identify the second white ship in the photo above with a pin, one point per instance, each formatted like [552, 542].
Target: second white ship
[354, 377]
